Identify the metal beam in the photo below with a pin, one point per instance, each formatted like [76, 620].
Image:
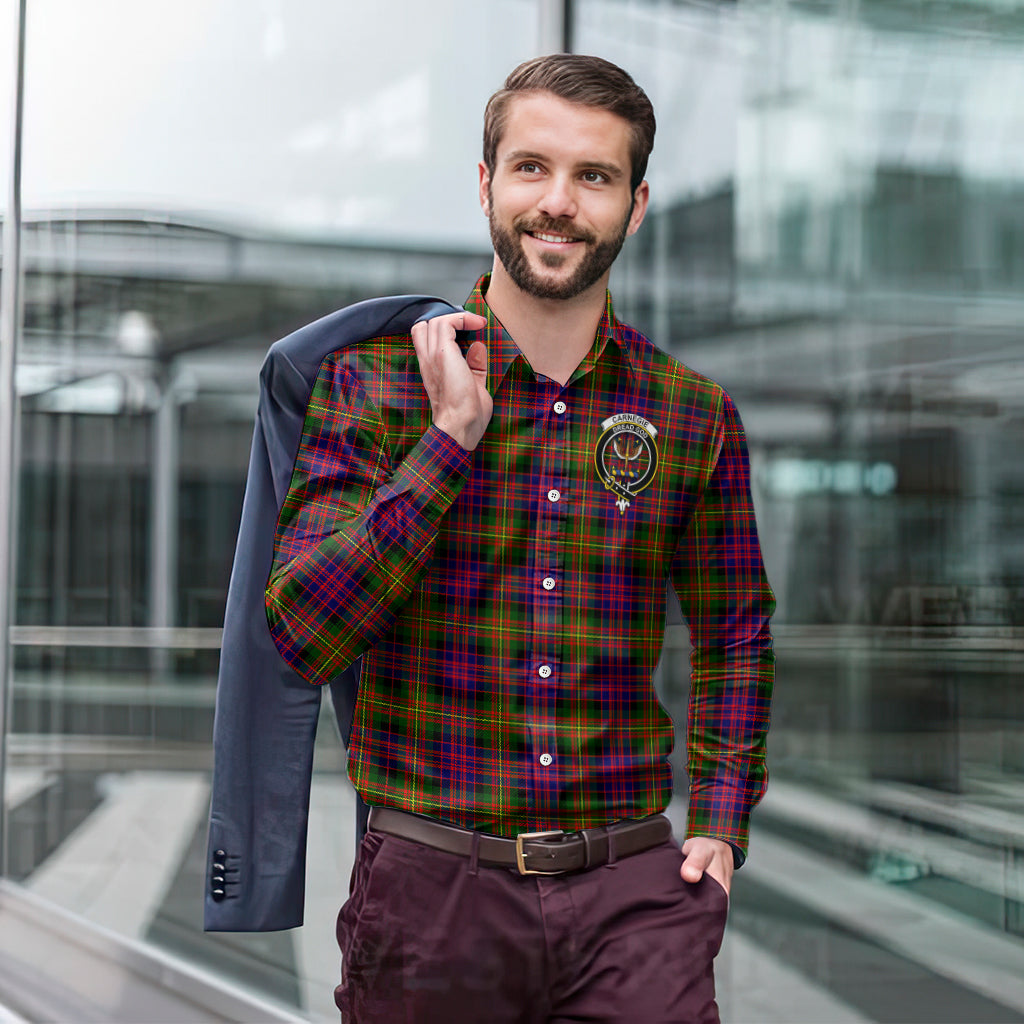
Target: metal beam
[10, 318]
[553, 26]
[163, 548]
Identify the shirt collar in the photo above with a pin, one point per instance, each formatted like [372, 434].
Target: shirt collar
[502, 350]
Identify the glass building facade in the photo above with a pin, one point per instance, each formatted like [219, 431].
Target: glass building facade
[836, 235]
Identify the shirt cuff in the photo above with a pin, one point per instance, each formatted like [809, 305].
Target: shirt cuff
[720, 812]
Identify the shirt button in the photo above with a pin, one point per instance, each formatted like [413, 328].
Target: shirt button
[560, 407]
[546, 759]
[554, 494]
[548, 583]
[544, 671]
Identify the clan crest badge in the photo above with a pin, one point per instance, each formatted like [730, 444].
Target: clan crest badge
[626, 456]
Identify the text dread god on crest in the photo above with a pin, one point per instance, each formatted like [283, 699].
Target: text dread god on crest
[626, 457]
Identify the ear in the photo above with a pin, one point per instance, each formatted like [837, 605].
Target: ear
[485, 181]
[640, 199]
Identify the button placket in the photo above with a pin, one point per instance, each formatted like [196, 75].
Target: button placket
[547, 559]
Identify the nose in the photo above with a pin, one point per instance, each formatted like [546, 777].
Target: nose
[559, 198]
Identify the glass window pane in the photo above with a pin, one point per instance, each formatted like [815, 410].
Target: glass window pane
[200, 179]
[836, 237]
[352, 120]
[8, 23]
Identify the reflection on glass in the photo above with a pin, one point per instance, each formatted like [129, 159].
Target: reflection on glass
[836, 237]
[8, 24]
[200, 179]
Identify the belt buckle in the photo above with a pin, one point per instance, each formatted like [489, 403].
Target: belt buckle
[521, 855]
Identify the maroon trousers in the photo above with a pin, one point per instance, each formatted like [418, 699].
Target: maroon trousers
[432, 938]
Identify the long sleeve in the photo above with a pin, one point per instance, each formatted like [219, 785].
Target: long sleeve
[355, 533]
[724, 594]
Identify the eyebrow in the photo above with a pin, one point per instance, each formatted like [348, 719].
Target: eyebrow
[613, 171]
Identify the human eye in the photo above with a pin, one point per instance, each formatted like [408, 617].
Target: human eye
[528, 167]
[594, 177]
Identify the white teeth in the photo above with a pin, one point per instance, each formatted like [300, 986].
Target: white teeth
[551, 238]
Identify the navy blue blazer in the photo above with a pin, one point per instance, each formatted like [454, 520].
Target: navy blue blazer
[266, 715]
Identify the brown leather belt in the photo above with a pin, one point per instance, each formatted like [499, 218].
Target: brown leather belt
[530, 853]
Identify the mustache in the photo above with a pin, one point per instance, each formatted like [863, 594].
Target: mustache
[546, 226]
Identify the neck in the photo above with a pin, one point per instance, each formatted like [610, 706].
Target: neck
[553, 334]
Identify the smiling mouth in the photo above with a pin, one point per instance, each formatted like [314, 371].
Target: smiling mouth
[546, 237]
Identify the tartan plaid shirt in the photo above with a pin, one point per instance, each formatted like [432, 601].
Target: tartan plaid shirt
[509, 603]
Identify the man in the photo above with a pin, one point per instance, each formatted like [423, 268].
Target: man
[488, 511]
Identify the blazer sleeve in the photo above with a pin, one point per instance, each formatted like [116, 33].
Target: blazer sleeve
[263, 734]
[266, 715]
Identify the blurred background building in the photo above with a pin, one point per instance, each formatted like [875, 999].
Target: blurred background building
[836, 236]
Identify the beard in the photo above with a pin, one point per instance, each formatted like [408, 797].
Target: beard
[599, 255]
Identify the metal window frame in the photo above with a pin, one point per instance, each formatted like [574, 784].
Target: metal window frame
[10, 326]
[555, 26]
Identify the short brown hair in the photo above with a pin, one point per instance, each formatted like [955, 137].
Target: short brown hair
[577, 78]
